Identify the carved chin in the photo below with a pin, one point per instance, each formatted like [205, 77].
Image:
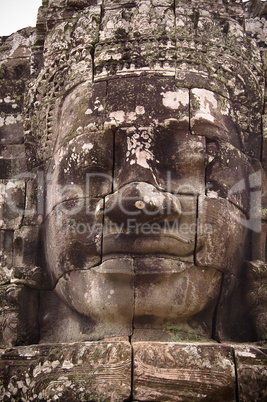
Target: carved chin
[141, 292]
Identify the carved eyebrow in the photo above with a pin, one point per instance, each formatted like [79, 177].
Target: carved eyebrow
[200, 121]
[215, 131]
[178, 124]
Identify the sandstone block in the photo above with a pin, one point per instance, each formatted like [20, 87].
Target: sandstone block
[76, 372]
[18, 315]
[183, 372]
[251, 373]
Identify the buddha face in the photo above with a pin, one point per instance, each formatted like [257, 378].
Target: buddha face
[142, 222]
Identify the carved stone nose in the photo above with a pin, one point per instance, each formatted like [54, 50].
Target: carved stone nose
[141, 201]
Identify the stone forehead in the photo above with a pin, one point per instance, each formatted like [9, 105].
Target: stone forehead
[199, 45]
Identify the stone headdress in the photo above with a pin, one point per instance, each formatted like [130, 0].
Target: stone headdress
[201, 43]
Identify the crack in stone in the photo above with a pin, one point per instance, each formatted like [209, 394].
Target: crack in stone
[113, 164]
[130, 337]
[92, 52]
[102, 232]
[196, 231]
[215, 313]
[236, 375]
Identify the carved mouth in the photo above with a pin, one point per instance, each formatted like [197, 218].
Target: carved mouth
[163, 243]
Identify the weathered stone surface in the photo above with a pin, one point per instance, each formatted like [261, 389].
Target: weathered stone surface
[106, 295]
[264, 144]
[211, 116]
[251, 372]
[143, 137]
[256, 297]
[63, 68]
[258, 242]
[80, 247]
[18, 315]
[225, 175]
[215, 247]
[170, 298]
[256, 22]
[139, 219]
[131, 95]
[82, 168]
[13, 160]
[219, 119]
[81, 111]
[148, 103]
[221, 7]
[35, 199]
[77, 372]
[27, 263]
[192, 372]
[12, 203]
[183, 372]
[136, 39]
[140, 20]
[196, 49]
[161, 371]
[6, 242]
[15, 53]
[71, 326]
[155, 138]
[25, 241]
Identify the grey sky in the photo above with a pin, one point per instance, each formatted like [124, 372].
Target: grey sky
[17, 14]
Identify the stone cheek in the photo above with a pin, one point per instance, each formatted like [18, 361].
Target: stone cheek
[79, 244]
[226, 222]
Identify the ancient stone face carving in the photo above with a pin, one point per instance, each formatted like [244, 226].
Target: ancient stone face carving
[137, 190]
[146, 131]
[145, 229]
[140, 216]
